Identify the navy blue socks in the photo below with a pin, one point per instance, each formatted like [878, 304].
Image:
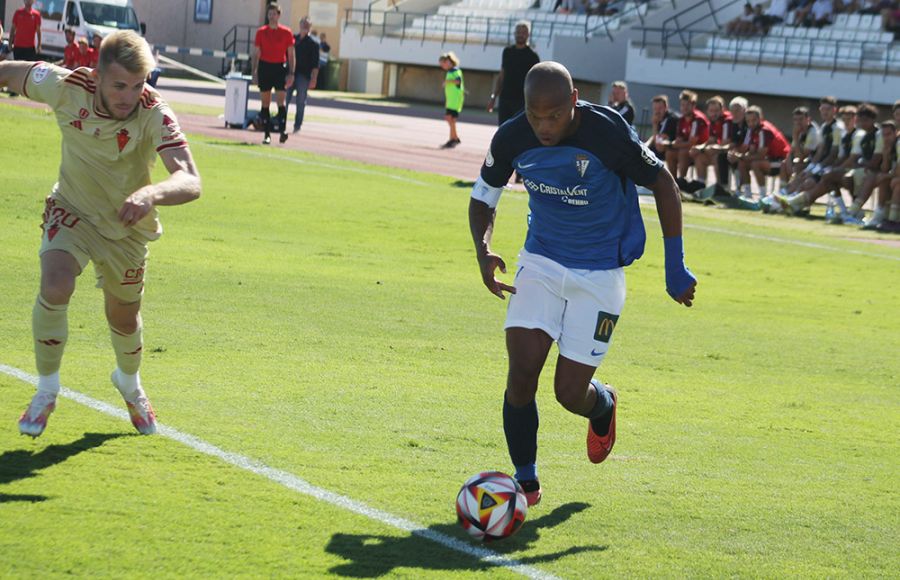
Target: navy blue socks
[520, 424]
[601, 414]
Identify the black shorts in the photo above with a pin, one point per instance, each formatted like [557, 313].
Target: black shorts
[271, 75]
[29, 54]
[452, 113]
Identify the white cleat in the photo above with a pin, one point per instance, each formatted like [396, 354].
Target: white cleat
[34, 420]
[873, 222]
[141, 411]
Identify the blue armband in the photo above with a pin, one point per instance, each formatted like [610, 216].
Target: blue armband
[678, 277]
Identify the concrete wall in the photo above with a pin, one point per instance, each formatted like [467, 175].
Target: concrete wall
[326, 15]
[426, 84]
[172, 22]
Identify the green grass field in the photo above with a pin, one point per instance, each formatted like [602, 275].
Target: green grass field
[332, 325]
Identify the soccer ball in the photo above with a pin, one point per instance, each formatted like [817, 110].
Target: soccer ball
[491, 506]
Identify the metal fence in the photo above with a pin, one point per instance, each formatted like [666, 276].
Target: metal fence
[783, 52]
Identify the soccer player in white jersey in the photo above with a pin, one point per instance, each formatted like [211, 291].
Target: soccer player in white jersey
[579, 163]
[103, 207]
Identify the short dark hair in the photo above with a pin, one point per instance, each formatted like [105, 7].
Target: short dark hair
[661, 99]
[801, 111]
[867, 110]
[716, 99]
[273, 6]
[828, 101]
[889, 123]
[756, 110]
[847, 110]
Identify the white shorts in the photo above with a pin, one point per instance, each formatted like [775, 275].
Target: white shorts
[578, 308]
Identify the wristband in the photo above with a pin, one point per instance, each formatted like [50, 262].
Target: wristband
[678, 277]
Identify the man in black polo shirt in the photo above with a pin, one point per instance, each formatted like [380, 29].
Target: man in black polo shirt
[618, 100]
[665, 127]
[510, 86]
[306, 50]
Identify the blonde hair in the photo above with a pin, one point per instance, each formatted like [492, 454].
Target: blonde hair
[128, 49]
[451, 56]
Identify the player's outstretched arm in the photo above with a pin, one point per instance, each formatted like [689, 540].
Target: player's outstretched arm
[680, 282]
[13, 74]
[182, 186]
[481, 224]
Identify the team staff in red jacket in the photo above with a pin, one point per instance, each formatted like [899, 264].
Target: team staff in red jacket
[25, 32]
[768, 150]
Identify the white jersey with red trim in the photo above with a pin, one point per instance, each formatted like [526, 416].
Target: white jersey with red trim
[104, 160]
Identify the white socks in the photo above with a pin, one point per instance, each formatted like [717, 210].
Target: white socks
[127, 384]
[49, 383]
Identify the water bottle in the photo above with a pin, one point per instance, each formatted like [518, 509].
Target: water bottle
[829, 208]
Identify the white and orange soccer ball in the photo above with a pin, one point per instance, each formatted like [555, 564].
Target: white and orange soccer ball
[491, 506]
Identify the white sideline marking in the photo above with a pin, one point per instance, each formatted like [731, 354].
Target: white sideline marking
[727, 232]
[318, 163]
[790, 241]
[297, 484]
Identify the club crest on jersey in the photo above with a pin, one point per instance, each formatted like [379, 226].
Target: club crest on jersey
[76, 123]
[83, 113]
[581, 163]
[122, 139]
[40, 73]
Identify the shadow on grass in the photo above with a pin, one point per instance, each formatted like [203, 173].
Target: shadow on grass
[463, 183]
[371, 555]
[22, 463]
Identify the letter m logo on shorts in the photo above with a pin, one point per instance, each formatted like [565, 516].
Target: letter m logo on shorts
[606, 323]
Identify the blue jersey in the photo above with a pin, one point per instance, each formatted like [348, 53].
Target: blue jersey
[582, 195]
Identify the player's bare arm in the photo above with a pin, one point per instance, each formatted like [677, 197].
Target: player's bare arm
[13, 74]
[254, 59]
[481, 224]
[498, 86]
[668, 207]
[289, 80]
[182, 186]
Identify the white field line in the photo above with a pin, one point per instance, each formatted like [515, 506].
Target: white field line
[297, 484]
[520, 196]
[334, 166]
[778, 240]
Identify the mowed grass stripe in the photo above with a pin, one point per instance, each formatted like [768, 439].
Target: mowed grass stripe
[298, 484]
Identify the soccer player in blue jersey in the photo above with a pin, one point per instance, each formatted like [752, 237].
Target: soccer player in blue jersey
[580, 163]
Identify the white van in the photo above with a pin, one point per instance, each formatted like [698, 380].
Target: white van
[85, 17]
